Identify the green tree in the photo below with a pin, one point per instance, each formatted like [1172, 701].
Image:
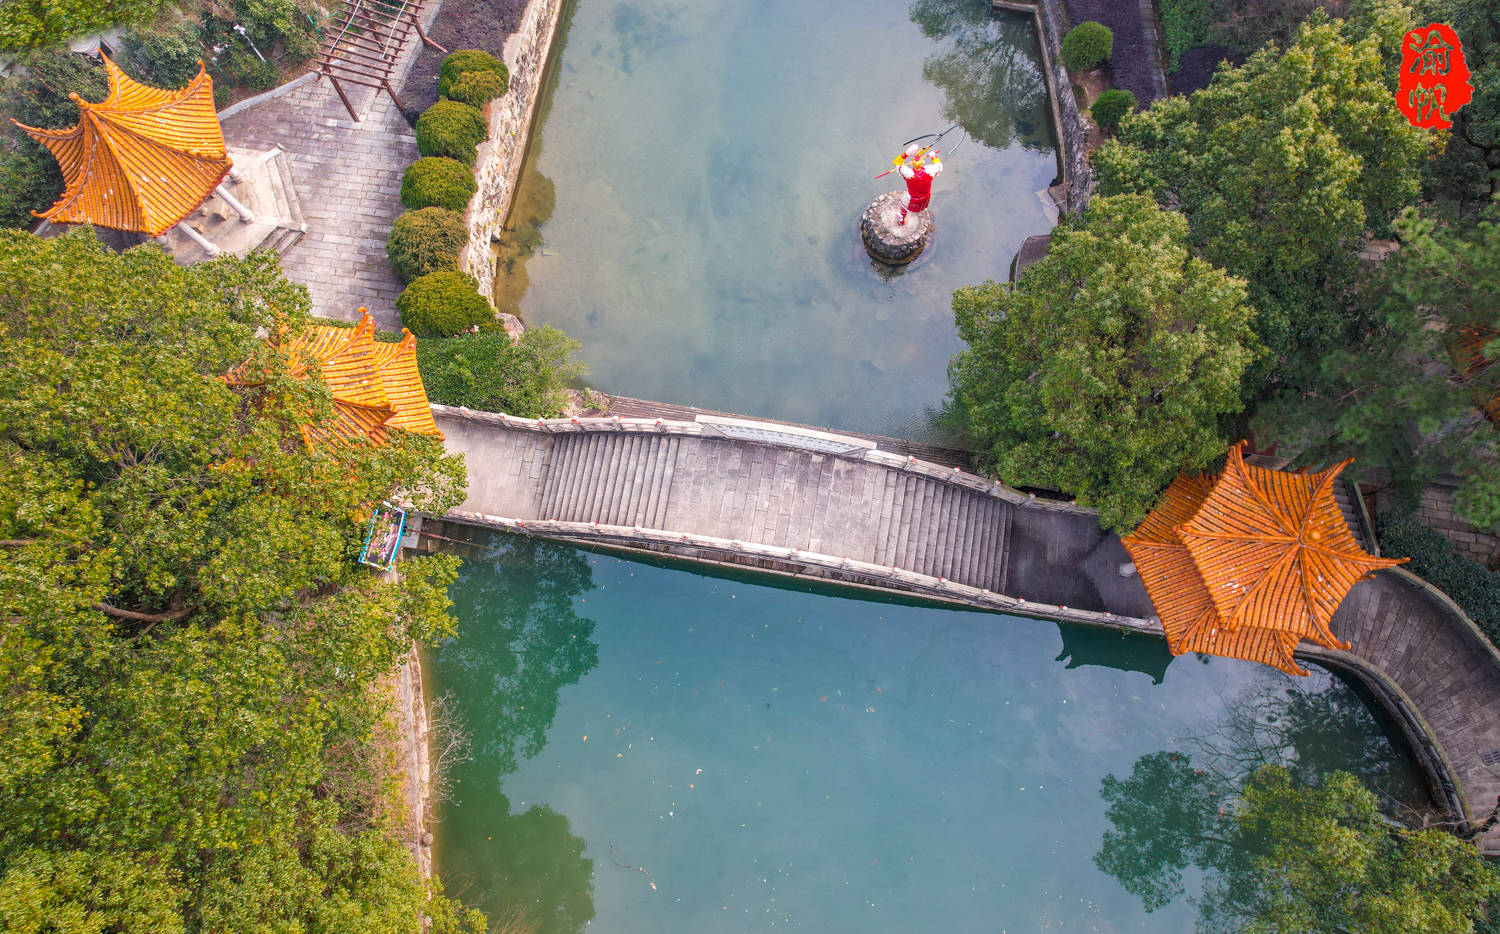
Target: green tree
[1106, 368]
[1283, 855]
[1477, 125]
[30, 179]
[27, 24]
[492, 373]
[1392, 398]
[192, 656]
[1280, 166]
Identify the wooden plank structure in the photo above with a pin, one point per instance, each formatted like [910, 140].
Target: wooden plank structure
[140, 160]
[1250, 563]
[375, 386]
[364, 41]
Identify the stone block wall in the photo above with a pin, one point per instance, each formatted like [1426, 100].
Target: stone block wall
[1072, 138]
[1436, 512]
[499, 163]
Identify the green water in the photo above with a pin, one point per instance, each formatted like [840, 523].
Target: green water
[690, 204]
[777, 758]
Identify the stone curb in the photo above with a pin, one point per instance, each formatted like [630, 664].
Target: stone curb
[270, 95]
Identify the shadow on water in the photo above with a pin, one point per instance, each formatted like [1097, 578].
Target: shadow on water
[987, 69]
[506, 675]
[1175, 811]
[1121, 651]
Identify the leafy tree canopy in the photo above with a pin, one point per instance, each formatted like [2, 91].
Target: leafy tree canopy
[1105, 369]
[1394, 399]
[1282, 855]
[191, 655]
[27, 24]
[1280, 166]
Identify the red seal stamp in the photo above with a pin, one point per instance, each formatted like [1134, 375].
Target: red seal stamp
[1434, 77]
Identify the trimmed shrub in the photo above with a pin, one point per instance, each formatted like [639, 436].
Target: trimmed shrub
[468, 61]
[451, 129]
[492, 373]
[1111, 107]
[444, 303]
[424, 241]
[1087, 45]
[477, 88]
[1435, 560]
[437, 182]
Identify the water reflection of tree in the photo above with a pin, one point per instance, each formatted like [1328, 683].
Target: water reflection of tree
[1176, 809]
[526, 646]
[991, 80]
[532, 866]
[523, 645]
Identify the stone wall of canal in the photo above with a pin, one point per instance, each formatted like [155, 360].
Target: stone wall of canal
[511, 117]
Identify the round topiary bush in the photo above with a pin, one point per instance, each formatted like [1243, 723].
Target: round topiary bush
[477, 88]
[425, 241]
[444, 303]
[1111, 107]
[1087, 45]
[468, 61]
[437, 182]
[451, 129]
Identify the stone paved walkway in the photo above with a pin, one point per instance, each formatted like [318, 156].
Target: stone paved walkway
[348, 176]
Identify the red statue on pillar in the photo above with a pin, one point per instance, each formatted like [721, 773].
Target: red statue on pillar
[918, 176]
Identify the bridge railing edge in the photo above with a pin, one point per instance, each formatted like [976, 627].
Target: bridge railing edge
[903, 578]
[908, 463]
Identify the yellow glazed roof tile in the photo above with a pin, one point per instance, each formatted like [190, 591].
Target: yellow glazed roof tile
[1274, 550]
[140, 160]
[375, 386]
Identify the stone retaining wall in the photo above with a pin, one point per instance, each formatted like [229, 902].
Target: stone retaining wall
[1072, 140]
[500, 157]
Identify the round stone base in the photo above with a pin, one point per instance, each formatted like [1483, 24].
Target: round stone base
[885, 239]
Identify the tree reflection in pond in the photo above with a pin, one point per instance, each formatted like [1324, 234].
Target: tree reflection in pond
[988, 72]
[507, 674]
[1176, 811]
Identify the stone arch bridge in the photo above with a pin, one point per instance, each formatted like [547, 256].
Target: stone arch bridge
[870, 512]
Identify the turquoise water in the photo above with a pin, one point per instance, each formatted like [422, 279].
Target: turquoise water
[661, 750]
[689, 207]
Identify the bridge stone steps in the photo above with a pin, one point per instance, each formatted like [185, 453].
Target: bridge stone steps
[612, 479]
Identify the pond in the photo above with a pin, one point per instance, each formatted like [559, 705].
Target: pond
[689, 206]
[660, 749]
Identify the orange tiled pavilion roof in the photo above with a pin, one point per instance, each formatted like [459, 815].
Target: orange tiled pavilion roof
[1177, 590]
[142, 159]
[375, 387]
[1249, 563]
[1274, 549]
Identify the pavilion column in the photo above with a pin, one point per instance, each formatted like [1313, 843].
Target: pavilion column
[197, 238]
[245, 213]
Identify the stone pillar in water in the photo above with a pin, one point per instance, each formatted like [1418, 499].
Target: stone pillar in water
[885, 239]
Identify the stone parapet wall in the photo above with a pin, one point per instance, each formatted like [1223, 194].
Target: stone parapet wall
[1435, 510]
[1072, 138]
[500, 157]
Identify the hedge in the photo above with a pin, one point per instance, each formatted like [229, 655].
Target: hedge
[492, 373]
[468, 61]
[451, 129]
[437, 182]
[426, 240]
[1087, 45]
[444, 303]
[477, 88]
[1435, 560]
[1111, 108]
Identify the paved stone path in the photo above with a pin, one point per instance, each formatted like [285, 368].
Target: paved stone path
[813, 498]
[348, 177]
